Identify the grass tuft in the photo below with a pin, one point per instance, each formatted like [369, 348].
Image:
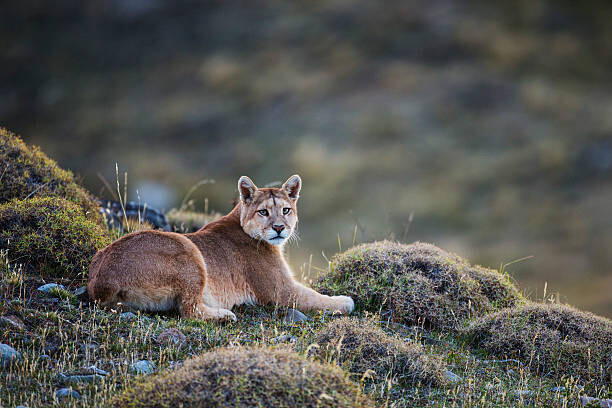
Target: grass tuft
[360, 345]
[50, 235]
[417, 284]
[247, 377]
[554, 340]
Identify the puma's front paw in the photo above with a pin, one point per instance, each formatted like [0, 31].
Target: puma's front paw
[344, 304]
[225, 314]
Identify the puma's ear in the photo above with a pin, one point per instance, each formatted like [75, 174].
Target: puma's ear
[247, 188]
[292, 187]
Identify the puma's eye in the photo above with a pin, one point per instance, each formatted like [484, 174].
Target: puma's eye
[286, 210]
[265, 213]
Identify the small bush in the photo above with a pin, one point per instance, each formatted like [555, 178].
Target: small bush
[27, 172]
[188, 220]
[552, 339]
[247, 377]
[360, 345]
[50, 234]
[418, 284]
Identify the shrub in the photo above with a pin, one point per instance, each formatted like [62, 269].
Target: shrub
[27, 172]
[246, 377]
[186, 220]
[552, 339]
[417, 283]
[50, 234]
[360, 345]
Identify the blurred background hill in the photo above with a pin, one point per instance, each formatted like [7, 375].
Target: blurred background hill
[483, 127]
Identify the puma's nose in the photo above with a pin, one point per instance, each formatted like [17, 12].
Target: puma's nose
[278, 228]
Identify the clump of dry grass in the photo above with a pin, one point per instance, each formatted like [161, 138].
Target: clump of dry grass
[247, 377]
[28, 172]
[50, 234]
[187, 220]
[553, 339]
[417, 284]
[360, 345]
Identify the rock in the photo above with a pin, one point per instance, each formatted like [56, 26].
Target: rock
[12, 321]
[49, 286]
[142, 367]
[604, 403]
[284, 338]
[558, 389]
[8, 355]
[21, 406]
[127, 316]
[522, 393]
[95, 370]
[87, 378]
[80, 291]
[89, 348]
[173, 336]
[295, 316]
[66, 393]
[452, 377]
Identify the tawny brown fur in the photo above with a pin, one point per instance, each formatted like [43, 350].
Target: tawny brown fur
[234, 260]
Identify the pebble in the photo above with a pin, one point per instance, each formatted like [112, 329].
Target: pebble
[8, 355]
[522, 393]
[95, 370]
[127, 316]
[87, 378]
[12, 321]
[172, 335]
[284, 338]
[452, 377]
[558, 389]
[604, 403]
[67, 392]
[47, 288]
[21, 406]
[142, 367]
[295, 316]
[80, 291]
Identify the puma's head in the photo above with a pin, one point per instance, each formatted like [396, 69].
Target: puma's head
[269, 214]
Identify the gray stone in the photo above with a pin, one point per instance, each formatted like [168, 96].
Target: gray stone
[522, 393]
[67, 393]
[284, 338]
[295, 316]
[142, 367]
[127, 316]
[21, 406]
[452, 377]
[49, 286]
[95, 370]
[87, 378]
[8, 355]
[80, 291]
[558, 389]
[12, 322]
[604, 403]
[172, 335]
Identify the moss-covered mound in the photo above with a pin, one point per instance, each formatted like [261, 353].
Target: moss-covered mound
[27, 172]
[247, 377]
[552, 339]
[52, 235]
[360, 345]
[417, 283]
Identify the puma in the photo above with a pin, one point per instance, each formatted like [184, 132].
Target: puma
[235, 260]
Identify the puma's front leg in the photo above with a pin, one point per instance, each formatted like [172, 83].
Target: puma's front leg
[306, 299]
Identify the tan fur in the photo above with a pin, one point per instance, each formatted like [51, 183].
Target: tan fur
[234, 260]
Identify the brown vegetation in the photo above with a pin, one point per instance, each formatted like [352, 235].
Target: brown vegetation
[247, 377]
[417, 283]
